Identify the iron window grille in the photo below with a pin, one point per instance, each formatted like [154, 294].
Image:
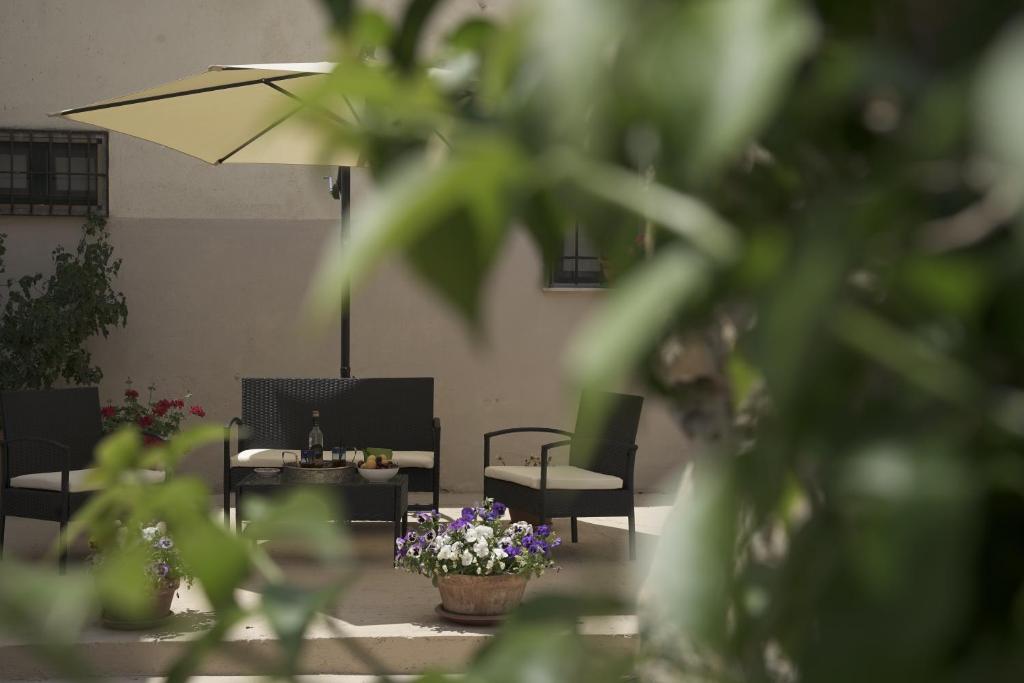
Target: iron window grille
[53, 173]
[579, 264]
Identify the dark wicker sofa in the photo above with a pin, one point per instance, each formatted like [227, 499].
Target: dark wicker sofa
[396, 413]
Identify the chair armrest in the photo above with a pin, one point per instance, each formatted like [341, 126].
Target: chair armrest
[227, 440]
[437, 443]
[544, 461]
[554, 444]
[515, 430]
[62, 450]
[630, 463]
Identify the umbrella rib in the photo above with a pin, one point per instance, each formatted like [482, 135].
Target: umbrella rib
[321, 109]
[255, 137]
[183, 93]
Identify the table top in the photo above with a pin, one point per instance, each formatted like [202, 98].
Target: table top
[256, 479]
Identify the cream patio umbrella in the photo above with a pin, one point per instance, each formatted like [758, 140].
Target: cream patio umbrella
[241, 114]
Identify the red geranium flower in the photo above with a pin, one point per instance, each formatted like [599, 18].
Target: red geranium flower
[178, 403]
[145, 421]
[198, 411]
[131, 393]
[108, 411]
[161, 407]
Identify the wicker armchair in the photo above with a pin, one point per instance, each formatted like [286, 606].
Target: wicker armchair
[394, 413]
[49, 438]
[596, 485]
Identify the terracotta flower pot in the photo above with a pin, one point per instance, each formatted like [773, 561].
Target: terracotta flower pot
[481, 595]
[159, 612]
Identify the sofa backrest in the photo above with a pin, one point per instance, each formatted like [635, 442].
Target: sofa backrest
[392, 413]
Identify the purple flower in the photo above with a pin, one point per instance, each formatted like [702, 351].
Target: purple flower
[538, 547]
[468, 514]
[498, 509]
[512, 551]
[557, 542]
[423, 517]
[164, 544]
[399, 542]
[527, 541]
[543, 530]
[411, 536]
[162, 569]
[458, 524]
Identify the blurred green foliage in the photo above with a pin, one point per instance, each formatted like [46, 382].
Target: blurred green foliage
[830, 197]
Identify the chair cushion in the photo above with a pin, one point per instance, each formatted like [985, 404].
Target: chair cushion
[564, 477]
[264, 457]
[78, 480]
[418, 459]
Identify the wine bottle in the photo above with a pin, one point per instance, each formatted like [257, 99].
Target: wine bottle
[316, 438]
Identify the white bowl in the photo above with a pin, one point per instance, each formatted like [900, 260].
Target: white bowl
[377, 475]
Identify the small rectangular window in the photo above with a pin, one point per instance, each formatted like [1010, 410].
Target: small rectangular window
[53, 173]
[580, 264]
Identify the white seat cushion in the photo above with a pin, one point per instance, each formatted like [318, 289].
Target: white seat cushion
[264, 457]
[78, 480]
[420, 459]
[564, 477]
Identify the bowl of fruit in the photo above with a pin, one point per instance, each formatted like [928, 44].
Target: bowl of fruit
[377, 467]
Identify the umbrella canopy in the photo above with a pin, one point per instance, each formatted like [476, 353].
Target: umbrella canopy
[231, 114]
[240, 114]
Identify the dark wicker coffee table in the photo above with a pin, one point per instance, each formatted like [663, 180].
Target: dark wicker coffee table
[362, 501]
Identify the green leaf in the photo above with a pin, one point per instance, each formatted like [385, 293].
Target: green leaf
[219, 559]
[433, 207]
[403, 47]
[47, 612]
[290, 610]
[639, 310]
[999, 101]
[303, 520]
[735, 59]
[681, 214]
[693, 565]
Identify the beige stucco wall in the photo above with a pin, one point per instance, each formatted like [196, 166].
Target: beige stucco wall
[216, 260]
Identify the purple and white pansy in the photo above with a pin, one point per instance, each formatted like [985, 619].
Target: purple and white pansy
[478, 542]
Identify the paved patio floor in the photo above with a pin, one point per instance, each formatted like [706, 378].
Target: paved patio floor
[386, 613]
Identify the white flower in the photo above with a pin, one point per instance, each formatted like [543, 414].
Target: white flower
[470, 534]
[483, 531]
[524, 527]
[150, 533]
[467, 558]
[499, 554]
[481, 549]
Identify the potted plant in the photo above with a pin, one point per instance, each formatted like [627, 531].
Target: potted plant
[159, 419]
[479, 563]
[163, 569]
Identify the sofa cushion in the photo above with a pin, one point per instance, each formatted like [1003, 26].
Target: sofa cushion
[264, 457]
[78, 480]
[418, 459]
[564, 477]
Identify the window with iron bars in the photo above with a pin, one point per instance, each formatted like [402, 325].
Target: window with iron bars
[579, 264]
[53, 172]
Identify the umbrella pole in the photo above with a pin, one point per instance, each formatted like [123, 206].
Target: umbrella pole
[345, 192]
